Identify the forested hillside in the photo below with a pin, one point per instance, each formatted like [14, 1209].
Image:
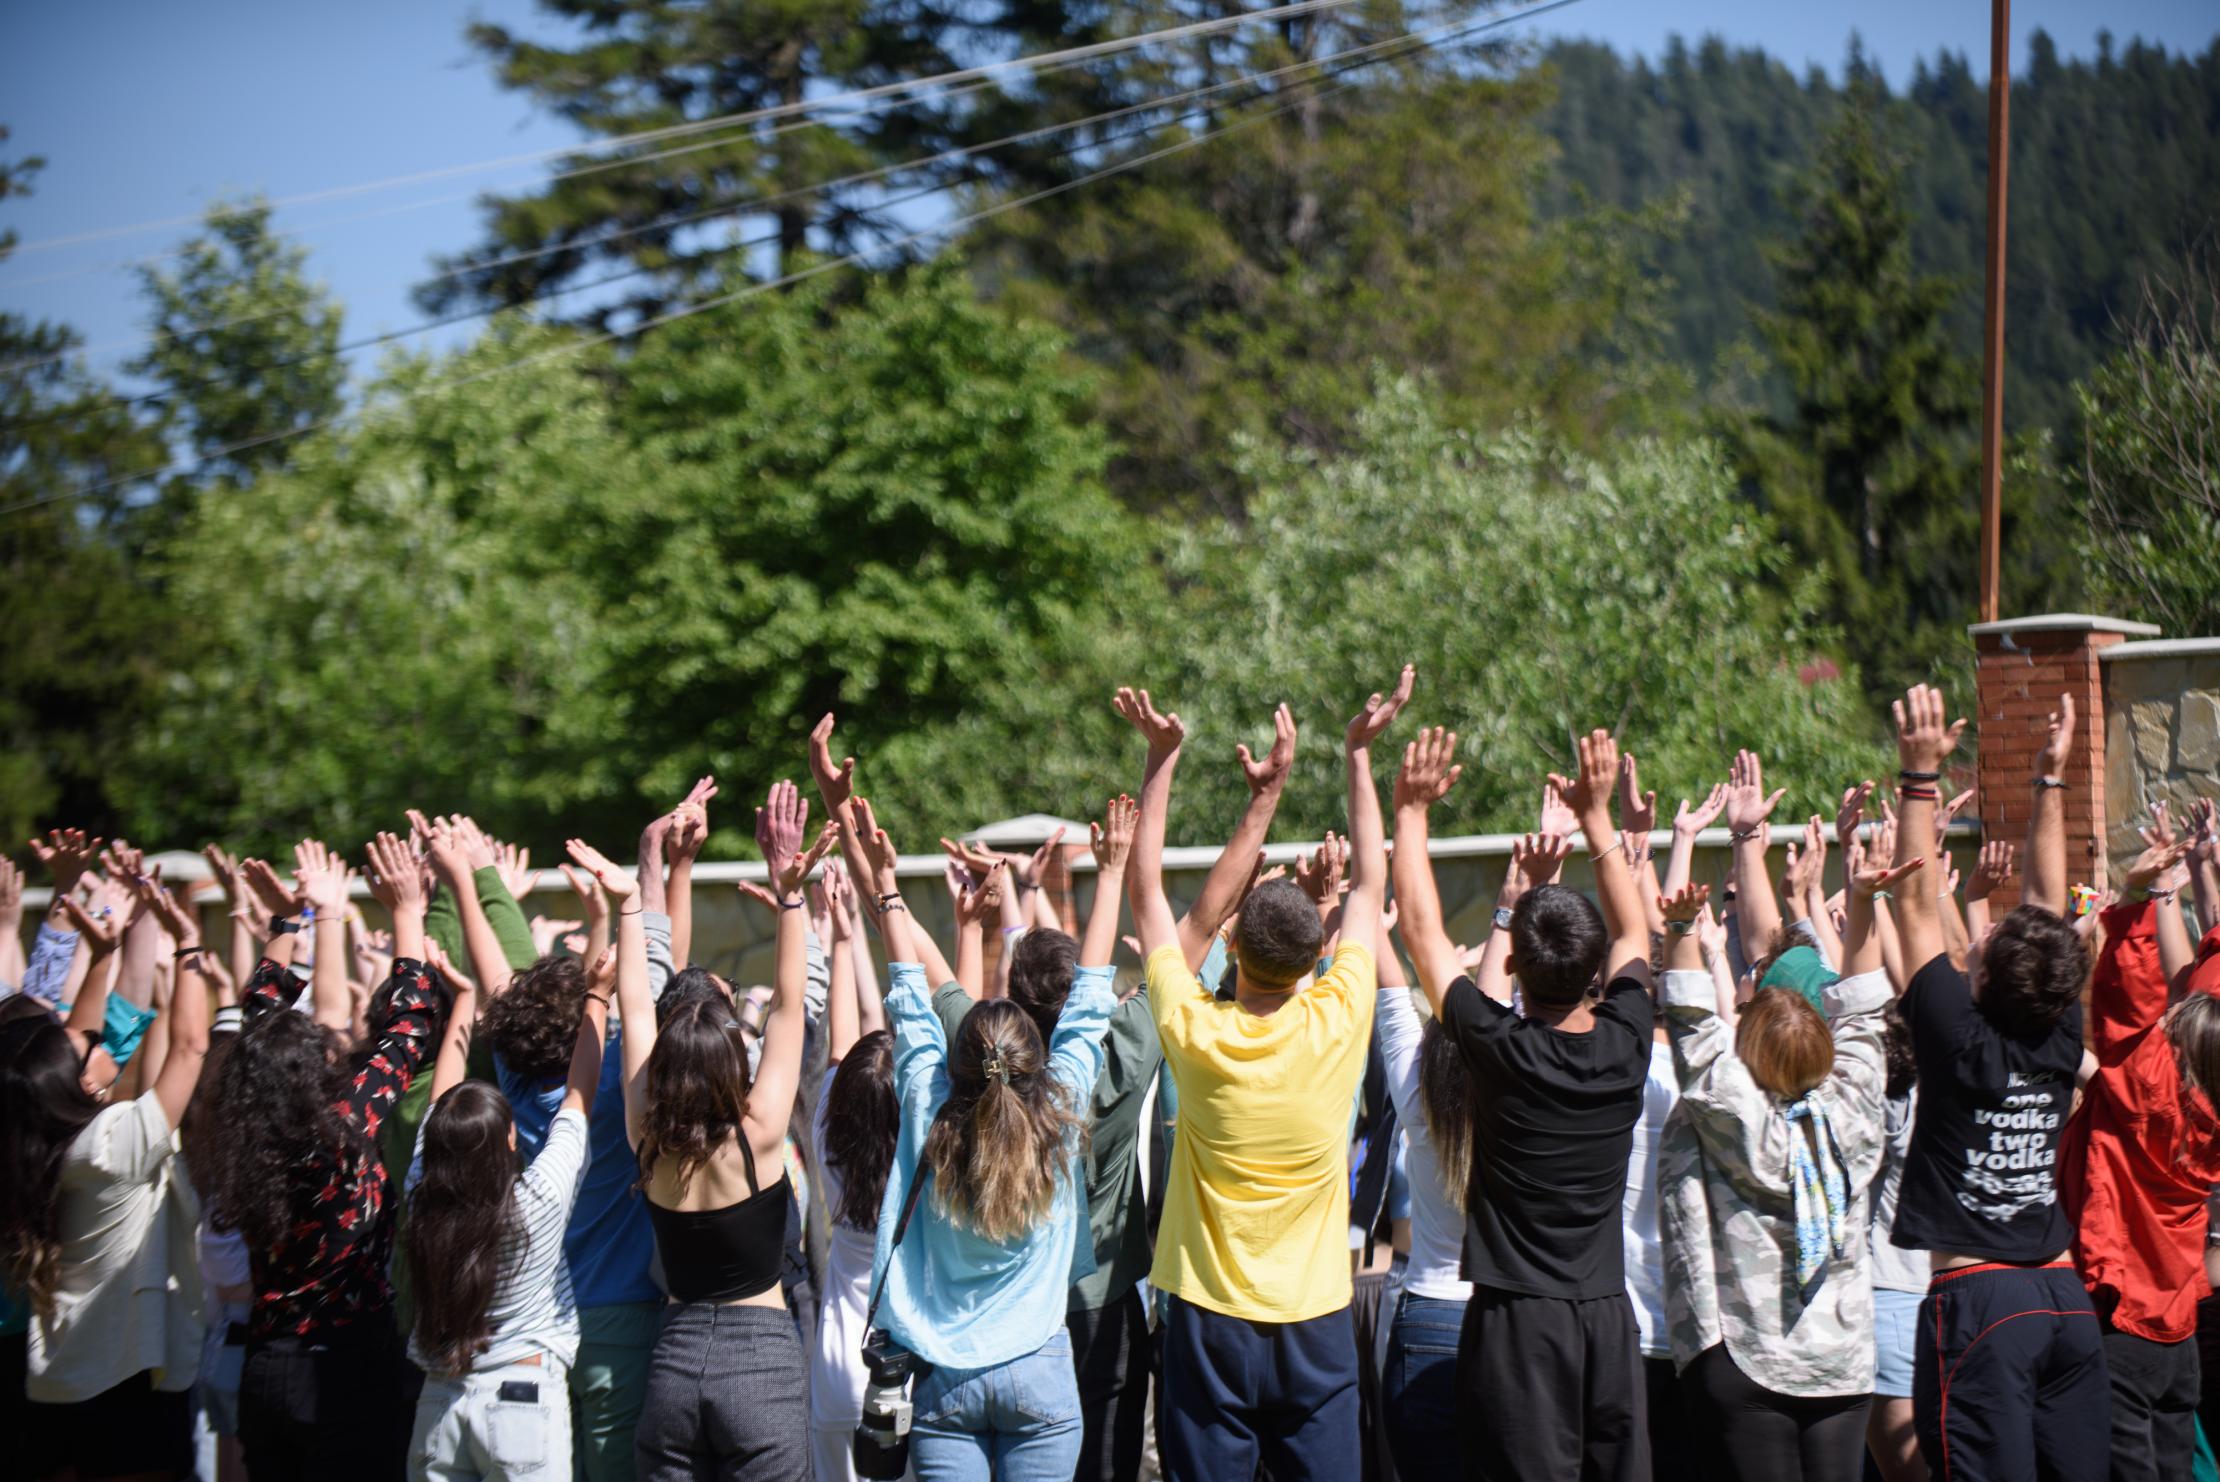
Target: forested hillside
[2115, 169]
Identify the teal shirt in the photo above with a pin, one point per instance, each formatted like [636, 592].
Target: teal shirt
[954, 1298]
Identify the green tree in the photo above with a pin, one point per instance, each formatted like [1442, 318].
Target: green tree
[242, 342]
[1871, 475]
[2150, 464]
[84, 639]
[669, 212]
[1541, 591]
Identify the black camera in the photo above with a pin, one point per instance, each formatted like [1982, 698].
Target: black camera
[882, 1444]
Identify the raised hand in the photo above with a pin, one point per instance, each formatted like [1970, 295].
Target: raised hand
[514, 864]
[1319, 874]
[1429, 769]
[1029, 870]
[835, 785]
[1685, 904]
[780, 825]
[1872, 874]
[1589, 789]
[101, 926]
[436, 958]
[1538, 857]
[796, 867]
[591, 902]
[1695, 819]
[620, 886]
[1556, 816]
[1272, 771]
[1377, 714]
[449, 854]
[121, 862]
[396, 880]
[224, 869]
[274, 896]
[1748, 804]
[980, 901]
[2204, 830]
[1924, 737]
[1165, 733]
[840, 901]
[548, 933]
[1996, 864]
[2059, 744]
[321, 877]
[2161, 852]
[1112, 839]
[66, 853]
[1850, 817]
[182, 924]
[1637, 809]
[1949, 812]
[877, 847]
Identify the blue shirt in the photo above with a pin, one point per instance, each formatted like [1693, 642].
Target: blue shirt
[610, 1246]
[953, 1297]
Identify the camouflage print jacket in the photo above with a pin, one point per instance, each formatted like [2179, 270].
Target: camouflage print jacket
[1726, 1215]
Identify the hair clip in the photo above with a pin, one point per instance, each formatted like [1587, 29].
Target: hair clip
[995, 1067]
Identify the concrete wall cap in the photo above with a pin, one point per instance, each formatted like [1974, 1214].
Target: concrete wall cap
[2160, 648]
[2056, 622]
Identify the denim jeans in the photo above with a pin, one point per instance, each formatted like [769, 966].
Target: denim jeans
[467, 1431]
[1419, 1388]
[1015, 1422]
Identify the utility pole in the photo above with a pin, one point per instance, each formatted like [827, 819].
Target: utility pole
[1992, 330]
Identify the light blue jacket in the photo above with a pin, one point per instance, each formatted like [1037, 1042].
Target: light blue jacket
[954, 1298]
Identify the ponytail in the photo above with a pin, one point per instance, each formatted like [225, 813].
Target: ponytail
[1003, 1139]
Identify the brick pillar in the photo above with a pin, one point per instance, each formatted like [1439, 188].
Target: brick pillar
[2023, 666]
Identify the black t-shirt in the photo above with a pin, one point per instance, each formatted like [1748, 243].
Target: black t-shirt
[1980, 1175]
[1556, 1114]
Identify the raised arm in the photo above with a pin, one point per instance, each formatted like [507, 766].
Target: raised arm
[188, 1007]
[1924, 741]
[459, 850]
[1113, 847]
[2204, 862]
[1863, 881]
[689, 831]
[1165, 734]
[1637, 822]
[397, 882]
[978, 901]
[843, 1001]
[781, 825]
[593, 1034]
[1749, 808]
[1230, 874]
[452, 1067]
[2045, 885]
[322, 880]
[635, 1002]
[1689, 821]
[101, 931]
[593, 908]
[1623, 916]
[1368, 865]
[2158, 875]
[1997, 863]
[11, 925]
[1429, 770]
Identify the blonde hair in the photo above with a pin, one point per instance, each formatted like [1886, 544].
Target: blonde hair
[1005, 1135]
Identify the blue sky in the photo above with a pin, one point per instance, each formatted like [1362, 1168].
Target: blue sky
[147, 111]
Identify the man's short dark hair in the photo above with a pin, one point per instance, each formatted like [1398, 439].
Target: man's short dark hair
[1557, 943]
[1279, 935]
[2033, 967]
[1042, 965]
[533, 1024]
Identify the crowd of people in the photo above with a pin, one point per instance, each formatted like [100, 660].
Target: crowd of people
[1765, 1182]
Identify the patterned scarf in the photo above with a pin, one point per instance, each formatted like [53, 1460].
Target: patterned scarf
[1822, 1204]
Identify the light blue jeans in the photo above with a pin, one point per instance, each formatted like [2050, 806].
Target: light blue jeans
[1014, 1422]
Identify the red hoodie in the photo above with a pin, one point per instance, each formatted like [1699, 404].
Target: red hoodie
[2141, 1156]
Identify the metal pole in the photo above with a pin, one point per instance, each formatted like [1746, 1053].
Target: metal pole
[1992, 338]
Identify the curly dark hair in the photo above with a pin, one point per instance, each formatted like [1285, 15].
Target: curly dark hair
[533, 1024]
[697, 1088]
[43, 1107]
[862, 1119]
[1000, 1143]
[277, 1093]
[1896, 1043]
[1042, 966]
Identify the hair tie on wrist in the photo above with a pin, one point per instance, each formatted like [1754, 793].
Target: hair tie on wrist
[1911, 776]
[790, 905]
[1603, 854]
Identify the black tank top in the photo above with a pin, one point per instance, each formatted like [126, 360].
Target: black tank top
[723, 1255]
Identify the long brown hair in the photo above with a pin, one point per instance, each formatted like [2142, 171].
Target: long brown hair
[862, 1120]
[2193, 1028]
[697, 1088]
[1784, 1043]
[461, 1220]
[1004, 1136]
[43, 1107]
[1445, 1096]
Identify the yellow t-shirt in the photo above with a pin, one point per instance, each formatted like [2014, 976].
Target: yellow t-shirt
[1256, 1206]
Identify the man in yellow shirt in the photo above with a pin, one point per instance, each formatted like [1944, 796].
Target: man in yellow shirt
[1259, 1358]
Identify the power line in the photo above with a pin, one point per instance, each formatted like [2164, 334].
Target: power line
[814, 270]
[1321, 67]
[753, 115]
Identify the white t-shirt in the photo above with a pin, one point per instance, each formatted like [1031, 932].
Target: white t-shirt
[1437, 1224]
[129, 1297]
[836, 1374]
[1894, 1269]
[1645, 1256]
[533, 1308]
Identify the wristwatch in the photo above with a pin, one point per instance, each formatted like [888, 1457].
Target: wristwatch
[1502, 918]
[280, 926]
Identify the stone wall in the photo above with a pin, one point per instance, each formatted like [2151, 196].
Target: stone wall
[2162, 734]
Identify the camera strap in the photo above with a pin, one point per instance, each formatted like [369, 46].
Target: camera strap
[901, 1227]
